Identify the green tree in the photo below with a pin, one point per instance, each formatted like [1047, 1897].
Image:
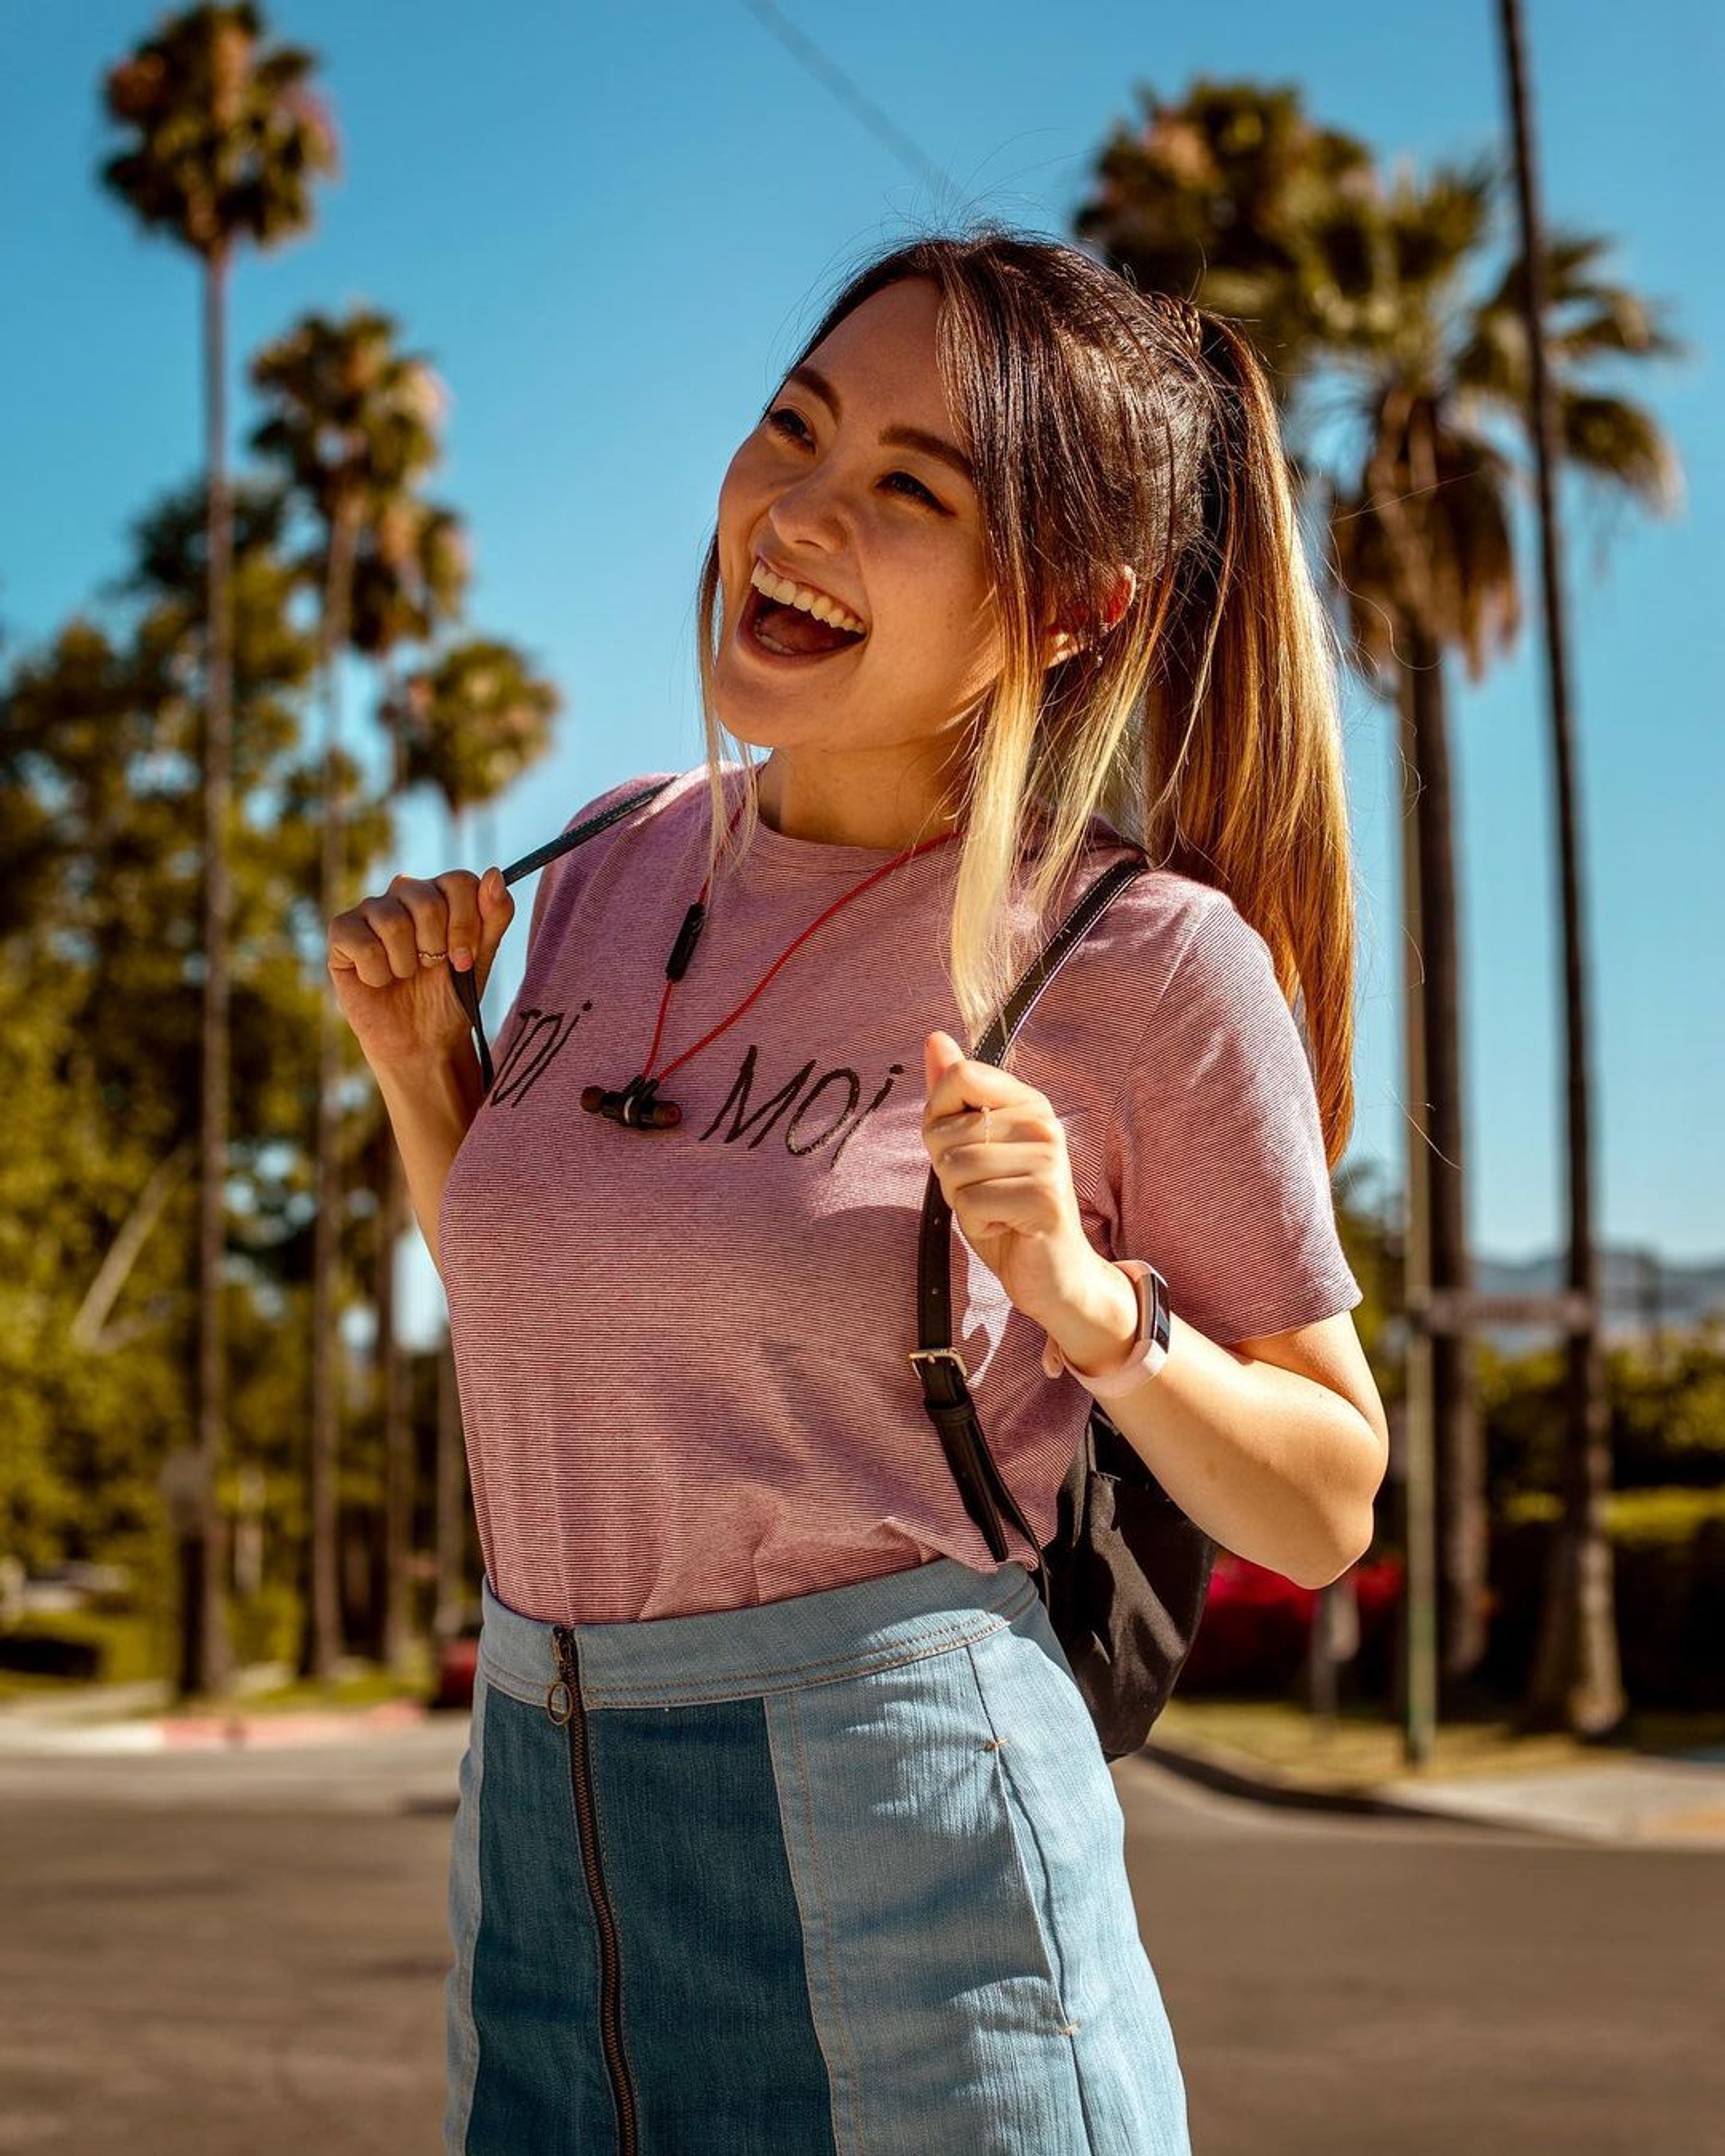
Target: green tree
[222, 142]
[100, 790]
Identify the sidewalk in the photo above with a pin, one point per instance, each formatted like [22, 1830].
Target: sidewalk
[1673, 1800]
[141, 1717]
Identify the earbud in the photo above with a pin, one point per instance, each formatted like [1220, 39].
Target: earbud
[633, 1105]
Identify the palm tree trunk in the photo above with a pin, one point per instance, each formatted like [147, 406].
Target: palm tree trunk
[1576, 1681]
[1417, 1690]
[452, 1490]
[320, 1641]
[1457, 1440]
[204, 1651]
[398, 1449]
[397, 1428]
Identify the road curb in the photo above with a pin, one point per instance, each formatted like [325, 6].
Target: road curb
[1666, 1818]
[1236, 1776]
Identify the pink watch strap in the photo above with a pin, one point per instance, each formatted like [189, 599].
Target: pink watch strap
[1148, 1350]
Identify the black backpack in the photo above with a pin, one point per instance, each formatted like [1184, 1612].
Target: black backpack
[1125, 1578]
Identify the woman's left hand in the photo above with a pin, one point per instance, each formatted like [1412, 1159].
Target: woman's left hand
[1000, 1152]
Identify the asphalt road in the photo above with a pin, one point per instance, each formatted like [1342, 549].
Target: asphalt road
[242, 1955]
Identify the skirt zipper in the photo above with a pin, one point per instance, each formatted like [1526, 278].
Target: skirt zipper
[562, 1703]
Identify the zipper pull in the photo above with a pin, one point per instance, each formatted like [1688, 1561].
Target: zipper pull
[567, 1681]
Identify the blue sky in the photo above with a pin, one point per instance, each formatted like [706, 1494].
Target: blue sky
[609, 228]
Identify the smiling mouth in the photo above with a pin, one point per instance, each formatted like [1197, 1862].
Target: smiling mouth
[786, 632]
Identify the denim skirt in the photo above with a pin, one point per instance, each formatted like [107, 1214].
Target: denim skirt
[842, 1872]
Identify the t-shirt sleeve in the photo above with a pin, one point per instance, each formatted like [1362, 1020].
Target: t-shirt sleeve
[1222, 1182]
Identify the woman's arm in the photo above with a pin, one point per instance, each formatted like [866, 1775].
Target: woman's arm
[431, 1106]
[1275, 1447]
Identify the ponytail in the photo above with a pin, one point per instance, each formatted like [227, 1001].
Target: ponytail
[1245, 730]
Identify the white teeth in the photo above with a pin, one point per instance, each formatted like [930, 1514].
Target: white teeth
[810, 600]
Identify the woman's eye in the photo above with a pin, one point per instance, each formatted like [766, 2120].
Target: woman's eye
[917, 484]
[781, 414]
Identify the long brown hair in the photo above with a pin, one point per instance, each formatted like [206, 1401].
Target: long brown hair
[1106, 424]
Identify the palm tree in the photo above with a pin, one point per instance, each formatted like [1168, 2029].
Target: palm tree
[410, 578]
[1425, 542]
[474, 720]
[1355, 286]
[1576, 1682]
[223, 141]
[1421, 551]
[410, 575]
[1236, 196]
[352, 420]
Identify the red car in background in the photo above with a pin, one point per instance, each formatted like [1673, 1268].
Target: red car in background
[453, 1661]
[1255, 1633]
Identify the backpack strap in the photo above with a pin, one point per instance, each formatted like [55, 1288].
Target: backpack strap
[466, 989]
[937, 1363]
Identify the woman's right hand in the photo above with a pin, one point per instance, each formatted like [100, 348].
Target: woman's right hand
[403, 1009]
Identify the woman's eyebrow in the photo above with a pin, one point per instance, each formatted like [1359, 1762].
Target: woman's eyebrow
[909, 438]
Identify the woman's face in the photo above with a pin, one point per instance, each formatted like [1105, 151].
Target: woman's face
[890, 530]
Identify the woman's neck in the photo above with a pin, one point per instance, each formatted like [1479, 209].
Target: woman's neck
[853, 801]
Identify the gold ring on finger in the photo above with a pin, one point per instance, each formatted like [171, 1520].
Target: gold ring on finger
[431, 958]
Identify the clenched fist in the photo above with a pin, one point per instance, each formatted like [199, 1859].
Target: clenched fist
[389, 957]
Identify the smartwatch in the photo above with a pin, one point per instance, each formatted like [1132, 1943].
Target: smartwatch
[1150, 1344]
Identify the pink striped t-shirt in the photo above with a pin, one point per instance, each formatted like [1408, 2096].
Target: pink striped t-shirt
[681, 1354]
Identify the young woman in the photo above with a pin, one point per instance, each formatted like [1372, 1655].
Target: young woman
[784, 1825]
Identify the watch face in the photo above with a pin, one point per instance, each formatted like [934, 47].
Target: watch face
[1153, 1309]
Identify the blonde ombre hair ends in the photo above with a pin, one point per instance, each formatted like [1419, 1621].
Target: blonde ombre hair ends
[1107, 425]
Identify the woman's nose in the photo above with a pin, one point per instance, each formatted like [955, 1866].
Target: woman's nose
[812, 508]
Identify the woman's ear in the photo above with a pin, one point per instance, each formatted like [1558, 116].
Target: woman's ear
[1121, 597]
[1064, 642]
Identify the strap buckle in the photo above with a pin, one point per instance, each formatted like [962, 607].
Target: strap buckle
[918, 1355]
